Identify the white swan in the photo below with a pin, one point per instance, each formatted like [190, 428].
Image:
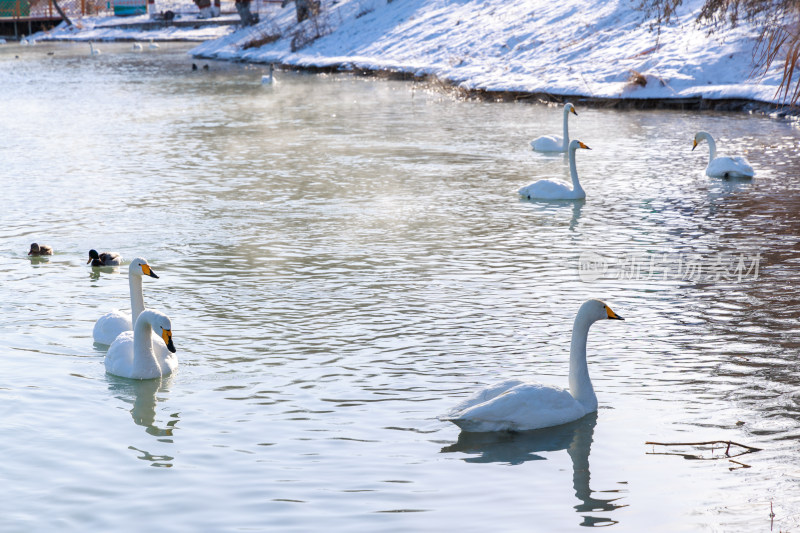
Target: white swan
[552, 190]
[152, 45]
[92, 50]
[104, 258]
[132, 355]
[516, 405]
[554, 143]
[269, 79]
[136, 47]
[723, 167]
[115, 322]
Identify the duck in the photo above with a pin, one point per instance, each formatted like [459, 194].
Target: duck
[269, 79]
[723, 167]
[552, 190]
[111, 324]
[92, 50]
[132, 354]
[555, 143]
[40, 249]
[516, 405]
[104, 258]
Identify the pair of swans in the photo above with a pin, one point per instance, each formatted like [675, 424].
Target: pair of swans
[133, 352]
[552, 190]
[516, 405]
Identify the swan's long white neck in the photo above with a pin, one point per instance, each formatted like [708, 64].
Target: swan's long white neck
[580, 386]
[144, 358]
[137, 299]
[566, 129]
[573, 171]
[712, 146]
[712, 149]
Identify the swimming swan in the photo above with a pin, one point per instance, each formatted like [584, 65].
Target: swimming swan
[516, 405]
[104, 258]
[554, 143]
[723, 167]
[92, 50]
[153, 45]
[132, 354]
[552, 190]
[115, 322]
[136, 47]
[269, 79]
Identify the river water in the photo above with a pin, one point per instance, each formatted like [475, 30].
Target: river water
[343, 260]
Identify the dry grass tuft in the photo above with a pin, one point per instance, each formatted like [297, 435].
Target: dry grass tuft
[637, 78]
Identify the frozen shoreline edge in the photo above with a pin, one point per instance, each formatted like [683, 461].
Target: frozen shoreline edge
[698, 103]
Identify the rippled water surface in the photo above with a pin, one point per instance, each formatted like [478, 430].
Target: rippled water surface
[343, 260]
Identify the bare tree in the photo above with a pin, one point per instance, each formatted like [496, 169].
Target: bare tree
[779, 24]
[61, 12]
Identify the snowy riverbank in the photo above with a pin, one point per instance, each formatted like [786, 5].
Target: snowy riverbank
[567, 48]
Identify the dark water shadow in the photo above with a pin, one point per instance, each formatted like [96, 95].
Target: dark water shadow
[518, 448]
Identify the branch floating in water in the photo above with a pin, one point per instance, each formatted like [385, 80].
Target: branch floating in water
[746, 449]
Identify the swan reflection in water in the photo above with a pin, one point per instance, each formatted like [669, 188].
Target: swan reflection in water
[518, 448]
[143, 396]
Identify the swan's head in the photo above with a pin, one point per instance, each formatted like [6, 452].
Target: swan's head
[139, 267]
[700, 136]
[570, 109]
[575, 144]
[162, 326]
[595, 310]
[34, 249]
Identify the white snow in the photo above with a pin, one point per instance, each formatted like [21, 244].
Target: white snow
[569, 47]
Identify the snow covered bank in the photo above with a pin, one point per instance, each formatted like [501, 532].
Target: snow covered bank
[518, 47]
[568, 48]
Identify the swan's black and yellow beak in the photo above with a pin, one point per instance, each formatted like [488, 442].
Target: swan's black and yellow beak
[147, 271]
[694, 144]
[573, 111]
[167, 336]
[612, 315]
[583, 146]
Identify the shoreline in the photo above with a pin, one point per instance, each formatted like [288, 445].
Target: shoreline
[491, 50]
[697, 103]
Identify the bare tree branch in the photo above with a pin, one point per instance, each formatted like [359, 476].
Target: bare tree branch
[779, 23]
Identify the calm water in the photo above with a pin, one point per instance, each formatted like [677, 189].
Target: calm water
[345, 259]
